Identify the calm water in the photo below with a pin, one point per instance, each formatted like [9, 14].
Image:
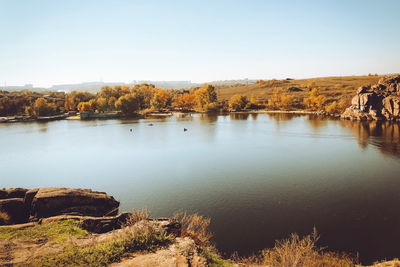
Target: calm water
[259, 177]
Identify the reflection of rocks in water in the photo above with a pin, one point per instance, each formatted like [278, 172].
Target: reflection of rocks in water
[239, 116]
[385, 135]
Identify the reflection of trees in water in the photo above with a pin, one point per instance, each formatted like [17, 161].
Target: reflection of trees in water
[281, 117]
[239, 116]
[184, 117]
[208, 118]
[384, 135]
[254, 116]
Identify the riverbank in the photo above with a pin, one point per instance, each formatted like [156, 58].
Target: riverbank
[114, 115]
[65, 232]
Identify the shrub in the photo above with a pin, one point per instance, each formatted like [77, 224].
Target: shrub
[302, 252]
[4, 218]
[238, 102]
[332, 108]
[315, 101]
[194, 226]
[137, 216]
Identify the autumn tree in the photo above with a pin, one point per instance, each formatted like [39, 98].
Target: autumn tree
[238, 102]
[275, 101]
[315, 101]
[128, 104]
[206, 98]
[74, 98]
[85, 107]
[286, 101]
[42, 108]
[159, 100]
[332, 108]
[145, 93]
[69, 103]
[102, 104]
[201, 98]
[185, 102]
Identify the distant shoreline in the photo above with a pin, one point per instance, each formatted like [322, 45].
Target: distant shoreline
[103, 116]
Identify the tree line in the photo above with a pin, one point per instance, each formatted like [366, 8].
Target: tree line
[144, 98]
[128, 100]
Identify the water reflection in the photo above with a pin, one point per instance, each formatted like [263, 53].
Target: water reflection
[239, 116]
[384, 135]
[208, 118]
[282, 116]
[274, 173]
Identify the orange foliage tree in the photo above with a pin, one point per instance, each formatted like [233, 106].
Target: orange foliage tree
[185, 102]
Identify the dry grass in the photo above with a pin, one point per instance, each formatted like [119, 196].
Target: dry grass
[335, 88]
[194, 226]
[137, 216]
[142, 236]
[393, 263]
[4, 218]
[301, 252]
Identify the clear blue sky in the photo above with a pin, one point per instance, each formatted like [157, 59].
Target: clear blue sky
[52, 42]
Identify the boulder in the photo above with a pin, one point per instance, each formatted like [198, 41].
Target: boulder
[49, 202]
[14, 211]
[13, 193]
[294, 89]
[29, 195]
[380, 101]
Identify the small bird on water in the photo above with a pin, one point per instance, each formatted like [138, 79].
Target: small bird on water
[184, 129]
[130, 130]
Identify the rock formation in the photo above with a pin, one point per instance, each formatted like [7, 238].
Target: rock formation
[380, 101]
[22, 205]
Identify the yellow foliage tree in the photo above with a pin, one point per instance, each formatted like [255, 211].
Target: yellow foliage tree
[238, 102]
[315, 101]
[286, 102]
[85, 106]
[332, 108]
[42, 108]
[101, 104]
[201, 97]
[159, 100]
[275, 101]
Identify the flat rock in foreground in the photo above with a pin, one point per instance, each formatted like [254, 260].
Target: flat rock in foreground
[21, 205]
[49, 202]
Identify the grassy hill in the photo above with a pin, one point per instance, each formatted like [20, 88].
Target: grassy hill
[333, 87]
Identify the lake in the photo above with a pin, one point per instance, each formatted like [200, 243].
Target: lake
[259, 177]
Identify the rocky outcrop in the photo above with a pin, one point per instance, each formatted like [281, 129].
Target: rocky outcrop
[49, 202]
[13, 193]
[380, 101]
[23, 205]
[15, 210]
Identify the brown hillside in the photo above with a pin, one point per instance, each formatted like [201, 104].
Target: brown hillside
[332, 87]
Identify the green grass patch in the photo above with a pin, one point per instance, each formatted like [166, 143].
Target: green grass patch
[104, 253]
[58, 231]
[214, 259]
